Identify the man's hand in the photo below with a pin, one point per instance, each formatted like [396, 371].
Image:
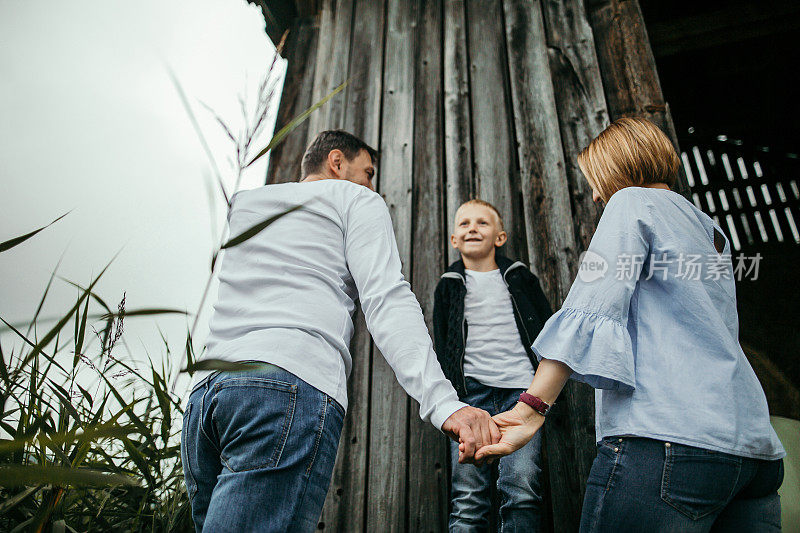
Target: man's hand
[517, 427]
[473, 428]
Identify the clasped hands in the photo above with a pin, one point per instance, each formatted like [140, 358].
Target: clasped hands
[483, 438]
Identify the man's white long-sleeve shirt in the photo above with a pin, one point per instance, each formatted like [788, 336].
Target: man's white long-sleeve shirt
[287, 295]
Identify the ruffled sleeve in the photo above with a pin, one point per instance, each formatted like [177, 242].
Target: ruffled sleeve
[590, 334]
[597, 348]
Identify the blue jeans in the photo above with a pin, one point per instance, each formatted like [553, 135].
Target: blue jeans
[638, 484]
[258, 449]
[517, 475]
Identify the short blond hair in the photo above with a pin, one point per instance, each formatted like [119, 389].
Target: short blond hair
[630, 152]
[483, 203]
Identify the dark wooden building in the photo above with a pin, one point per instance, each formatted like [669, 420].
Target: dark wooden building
[463, 98]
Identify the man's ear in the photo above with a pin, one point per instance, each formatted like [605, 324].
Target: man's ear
[335, 160]
[501, 239]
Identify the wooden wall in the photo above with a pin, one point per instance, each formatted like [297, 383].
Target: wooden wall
[463, 98]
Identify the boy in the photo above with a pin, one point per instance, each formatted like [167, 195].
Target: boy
[487, 311]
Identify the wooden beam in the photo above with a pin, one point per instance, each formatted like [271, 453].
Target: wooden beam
[427, 447]
[495, 169]
[582, 114]
[332, 65]
[457, 119]
[387, 481]
[300, 48]
[551, 237]
[628, 68]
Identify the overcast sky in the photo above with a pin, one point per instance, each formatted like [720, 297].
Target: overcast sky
[91, 123]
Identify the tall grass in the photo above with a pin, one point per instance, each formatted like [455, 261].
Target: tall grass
[89, 438]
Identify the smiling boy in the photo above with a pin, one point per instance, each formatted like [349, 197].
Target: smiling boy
[488, 309]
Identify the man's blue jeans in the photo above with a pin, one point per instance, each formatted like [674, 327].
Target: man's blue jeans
[517, 475]
[653, 486]
[258, 449]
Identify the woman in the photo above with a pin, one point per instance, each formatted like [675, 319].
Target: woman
[685, 442]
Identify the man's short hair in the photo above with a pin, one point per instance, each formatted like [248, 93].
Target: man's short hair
[317, 152]
[483, 203]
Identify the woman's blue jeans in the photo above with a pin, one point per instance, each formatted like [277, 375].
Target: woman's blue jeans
[517, 475]
[258, 449]
[653, 486]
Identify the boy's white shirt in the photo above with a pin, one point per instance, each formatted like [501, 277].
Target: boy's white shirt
[287, 295]
[494, 354]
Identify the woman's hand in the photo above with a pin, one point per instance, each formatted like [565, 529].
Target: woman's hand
[517, 427]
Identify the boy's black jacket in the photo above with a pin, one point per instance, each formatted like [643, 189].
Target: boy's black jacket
[531, 311]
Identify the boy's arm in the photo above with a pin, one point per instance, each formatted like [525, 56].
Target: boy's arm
[394, 318]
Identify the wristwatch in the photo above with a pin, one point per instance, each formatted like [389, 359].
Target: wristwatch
[539, 405]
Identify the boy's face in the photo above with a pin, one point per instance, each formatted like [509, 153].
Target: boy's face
[477, 231]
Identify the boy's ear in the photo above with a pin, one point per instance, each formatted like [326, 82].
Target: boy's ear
[453, 240]
[501, 239]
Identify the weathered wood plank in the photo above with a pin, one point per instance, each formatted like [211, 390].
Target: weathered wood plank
[581, 103]
[548, 218]
[628, 68]
[344, 509]
[494, 156]
[387, 477]
[363, 93]
[332, 60]
[301, 44]
[321, 77]
[427, 449]
[457, 121]
[345, 506]
[582, 114]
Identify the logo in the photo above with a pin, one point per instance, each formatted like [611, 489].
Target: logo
[593, 267]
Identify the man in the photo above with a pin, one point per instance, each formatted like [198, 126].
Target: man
[258, 446]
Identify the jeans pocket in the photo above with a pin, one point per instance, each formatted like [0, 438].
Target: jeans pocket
[252, 416]
[698, 482]
[186, 452]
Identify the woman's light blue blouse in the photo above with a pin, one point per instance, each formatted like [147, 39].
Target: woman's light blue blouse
[651, 323]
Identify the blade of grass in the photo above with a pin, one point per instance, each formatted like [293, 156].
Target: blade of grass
[256, 229]
[17, 476]
[7, 245]
[221, 365]
[198, 131]
[61, 323]
[44, 296]
[144, 312]
[287, 129]
[90, 434]
[15, 500]
[139, 460]
[31, 344]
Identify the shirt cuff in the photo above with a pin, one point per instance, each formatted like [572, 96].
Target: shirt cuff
[443, 412]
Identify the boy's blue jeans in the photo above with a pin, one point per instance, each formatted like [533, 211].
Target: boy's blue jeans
[652, 486]
[258, 449]
[517, 480]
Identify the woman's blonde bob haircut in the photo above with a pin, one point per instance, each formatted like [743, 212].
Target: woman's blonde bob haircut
[631, 152]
